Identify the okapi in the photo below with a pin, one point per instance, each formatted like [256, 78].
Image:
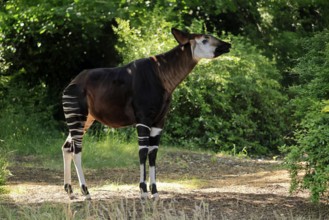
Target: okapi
[139, 94]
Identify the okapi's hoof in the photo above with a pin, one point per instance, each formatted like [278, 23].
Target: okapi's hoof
[154, 191]
[143, 189]
[71, 196]
[87, 197]
[155, 196]
[69, 191]
[68, 188]
[85, 192]
[144, 195]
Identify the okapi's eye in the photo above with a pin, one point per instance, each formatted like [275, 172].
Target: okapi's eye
[204, 41]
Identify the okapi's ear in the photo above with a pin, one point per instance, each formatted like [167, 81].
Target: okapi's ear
[181, 37]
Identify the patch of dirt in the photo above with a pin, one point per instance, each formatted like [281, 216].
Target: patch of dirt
[232, 188]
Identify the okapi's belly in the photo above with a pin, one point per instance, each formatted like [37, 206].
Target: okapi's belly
[113, 119]
[114, 116]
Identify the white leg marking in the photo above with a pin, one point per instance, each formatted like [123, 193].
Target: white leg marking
[69, 108]
[67, 157]
[151, 148]
[142, 169]
[155, 131]
[69, 115]
[152, 175]
[73, 123]
[143, 126]
[142, 147]
[78, 167]
[69, 97]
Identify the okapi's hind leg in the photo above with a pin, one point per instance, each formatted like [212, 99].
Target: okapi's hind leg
[76, 114]
[67, 158]
[152, 155]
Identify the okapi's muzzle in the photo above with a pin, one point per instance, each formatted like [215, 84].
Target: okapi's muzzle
[222, 48]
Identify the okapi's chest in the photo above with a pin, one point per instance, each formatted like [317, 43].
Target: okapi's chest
[121, 96]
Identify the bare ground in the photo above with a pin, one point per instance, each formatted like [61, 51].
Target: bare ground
[231, 188]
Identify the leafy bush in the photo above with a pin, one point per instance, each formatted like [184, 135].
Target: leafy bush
[3, 165]
[310, 154]
[50, 42]
[135, 43]
[27, 126]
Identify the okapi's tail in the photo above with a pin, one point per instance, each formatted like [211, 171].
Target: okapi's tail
[75, 111]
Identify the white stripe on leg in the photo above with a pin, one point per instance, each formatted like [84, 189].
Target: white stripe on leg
[142, 174]
[78, 167]
[67, 156]
[151, 148]
[152, 175]
[143, 188]
[155, 131]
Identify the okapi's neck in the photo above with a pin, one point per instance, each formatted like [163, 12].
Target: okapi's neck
[174, 65]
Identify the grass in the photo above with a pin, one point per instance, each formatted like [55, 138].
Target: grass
[3, 167]
[31, 140]
[109, 151]
[123, 209]
[167, 209]
[115, 151]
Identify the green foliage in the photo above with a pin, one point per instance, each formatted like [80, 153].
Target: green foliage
[135, 42]
[310, 154]
[49, 42]
[26, 124]
[3, 165]
[274, 26]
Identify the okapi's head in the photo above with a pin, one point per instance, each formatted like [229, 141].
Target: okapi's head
[202, 45]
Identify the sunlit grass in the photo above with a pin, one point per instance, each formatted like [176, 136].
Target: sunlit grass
[186, 183]
[106, 152]
[3, 190]
[109, 152]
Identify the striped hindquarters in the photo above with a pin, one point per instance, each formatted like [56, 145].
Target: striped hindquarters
[75, 111]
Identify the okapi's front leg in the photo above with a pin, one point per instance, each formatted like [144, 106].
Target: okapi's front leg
[143, 132]
[152, 151]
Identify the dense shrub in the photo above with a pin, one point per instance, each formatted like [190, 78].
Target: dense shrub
[310, 155]
[3, 165]
[27, 126]
[49, 42]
